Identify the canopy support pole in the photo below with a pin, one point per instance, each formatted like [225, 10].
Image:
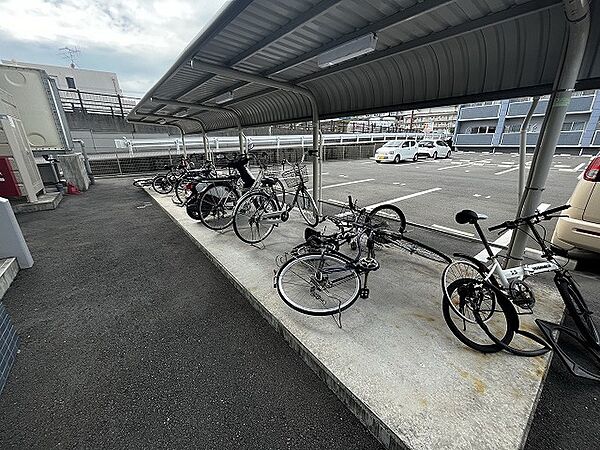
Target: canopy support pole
[577, 14]
[523, 145]
[264, 81]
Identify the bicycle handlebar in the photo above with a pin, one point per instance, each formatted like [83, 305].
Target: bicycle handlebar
[544, 215]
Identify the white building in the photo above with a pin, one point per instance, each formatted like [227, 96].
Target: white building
[69, 78]
[428, 120]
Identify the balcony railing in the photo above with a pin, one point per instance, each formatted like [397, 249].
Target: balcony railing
[74, 100]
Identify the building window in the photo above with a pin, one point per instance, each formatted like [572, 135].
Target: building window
[70, 82]
[573, 126]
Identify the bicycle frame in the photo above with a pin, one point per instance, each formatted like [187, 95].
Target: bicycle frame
[506, 276]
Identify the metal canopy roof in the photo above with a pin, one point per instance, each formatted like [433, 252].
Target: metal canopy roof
[429, 52]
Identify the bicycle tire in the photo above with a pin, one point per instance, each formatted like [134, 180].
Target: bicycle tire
[462, 269]
[417, 248]
[184, 189]
[247, 217]
[161, 184]
[507, 324]
[308, 208]
[301, 268]
[216, 205]
[578, 310]
[388, 217]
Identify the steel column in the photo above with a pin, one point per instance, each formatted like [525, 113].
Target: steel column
[523, 145]
[252, 78]
[577, 14]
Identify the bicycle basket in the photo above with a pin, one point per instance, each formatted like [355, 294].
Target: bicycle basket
[292, 177]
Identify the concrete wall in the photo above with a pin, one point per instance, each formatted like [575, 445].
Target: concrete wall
[85, 80]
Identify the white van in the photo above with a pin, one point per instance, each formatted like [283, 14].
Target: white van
[396, 151]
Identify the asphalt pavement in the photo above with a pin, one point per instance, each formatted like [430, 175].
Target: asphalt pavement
[131, 338]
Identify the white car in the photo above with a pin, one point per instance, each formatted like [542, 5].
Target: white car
[396, 151]
[434, 149]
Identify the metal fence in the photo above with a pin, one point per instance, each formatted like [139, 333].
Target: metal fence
[74, 100]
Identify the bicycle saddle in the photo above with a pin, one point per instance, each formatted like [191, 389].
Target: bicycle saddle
[468, 216]
[268, 181]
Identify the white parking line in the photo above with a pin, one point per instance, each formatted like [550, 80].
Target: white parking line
[506, 171]
[452, 230]
[497, 245]
[455, 166]
[399, 199]
[575, 169]
[347, 183]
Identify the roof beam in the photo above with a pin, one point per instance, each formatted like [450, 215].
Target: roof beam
[188, 105]
[449, 33]
[290, 27]
[401, 16]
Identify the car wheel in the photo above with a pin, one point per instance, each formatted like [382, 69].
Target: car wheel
[397, 159]
[378, 162]
[416, 157]
[434, 156]
[448, 154]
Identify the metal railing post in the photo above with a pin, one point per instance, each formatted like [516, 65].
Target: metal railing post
[121, 106]
[80, 101]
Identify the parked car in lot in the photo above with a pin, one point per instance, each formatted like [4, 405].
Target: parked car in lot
[396, 151]
[434, 149]
[581, 229]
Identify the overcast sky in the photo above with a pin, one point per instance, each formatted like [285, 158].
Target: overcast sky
[137, 39]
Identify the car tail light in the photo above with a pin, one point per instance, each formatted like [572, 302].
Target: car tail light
[592, 173]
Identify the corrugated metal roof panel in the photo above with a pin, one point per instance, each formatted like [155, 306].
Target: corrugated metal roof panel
[429, 52]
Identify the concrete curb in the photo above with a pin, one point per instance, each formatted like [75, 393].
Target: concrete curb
[8, 272]
[366, 416]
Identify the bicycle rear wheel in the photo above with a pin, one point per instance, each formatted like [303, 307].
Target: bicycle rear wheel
[216, 206]
[417, 248]
[161, 184]
[469, 299]
[578, 309]
[308, 208]
[318, 284]
[248, 222]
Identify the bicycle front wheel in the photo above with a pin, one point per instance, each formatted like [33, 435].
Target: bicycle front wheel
[388, 217]
[308, 208]
[216, 206]
[318, 284]
[248, 222]
[161, 184]
[578, 309]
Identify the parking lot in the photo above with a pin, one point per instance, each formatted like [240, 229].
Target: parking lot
[430, 192]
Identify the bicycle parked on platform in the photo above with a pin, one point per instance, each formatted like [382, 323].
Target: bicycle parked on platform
[315, 278]
[260, 211]
[482, 303]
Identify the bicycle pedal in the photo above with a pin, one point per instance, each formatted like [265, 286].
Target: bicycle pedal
[364, 293]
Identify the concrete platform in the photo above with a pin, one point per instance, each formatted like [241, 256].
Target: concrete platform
[45, 202]
[8, 271]
[394, 363]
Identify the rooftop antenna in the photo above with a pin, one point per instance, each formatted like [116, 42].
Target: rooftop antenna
[70, 54]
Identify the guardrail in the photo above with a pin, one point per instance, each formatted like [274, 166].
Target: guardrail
[224, 143]
[74, 100]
